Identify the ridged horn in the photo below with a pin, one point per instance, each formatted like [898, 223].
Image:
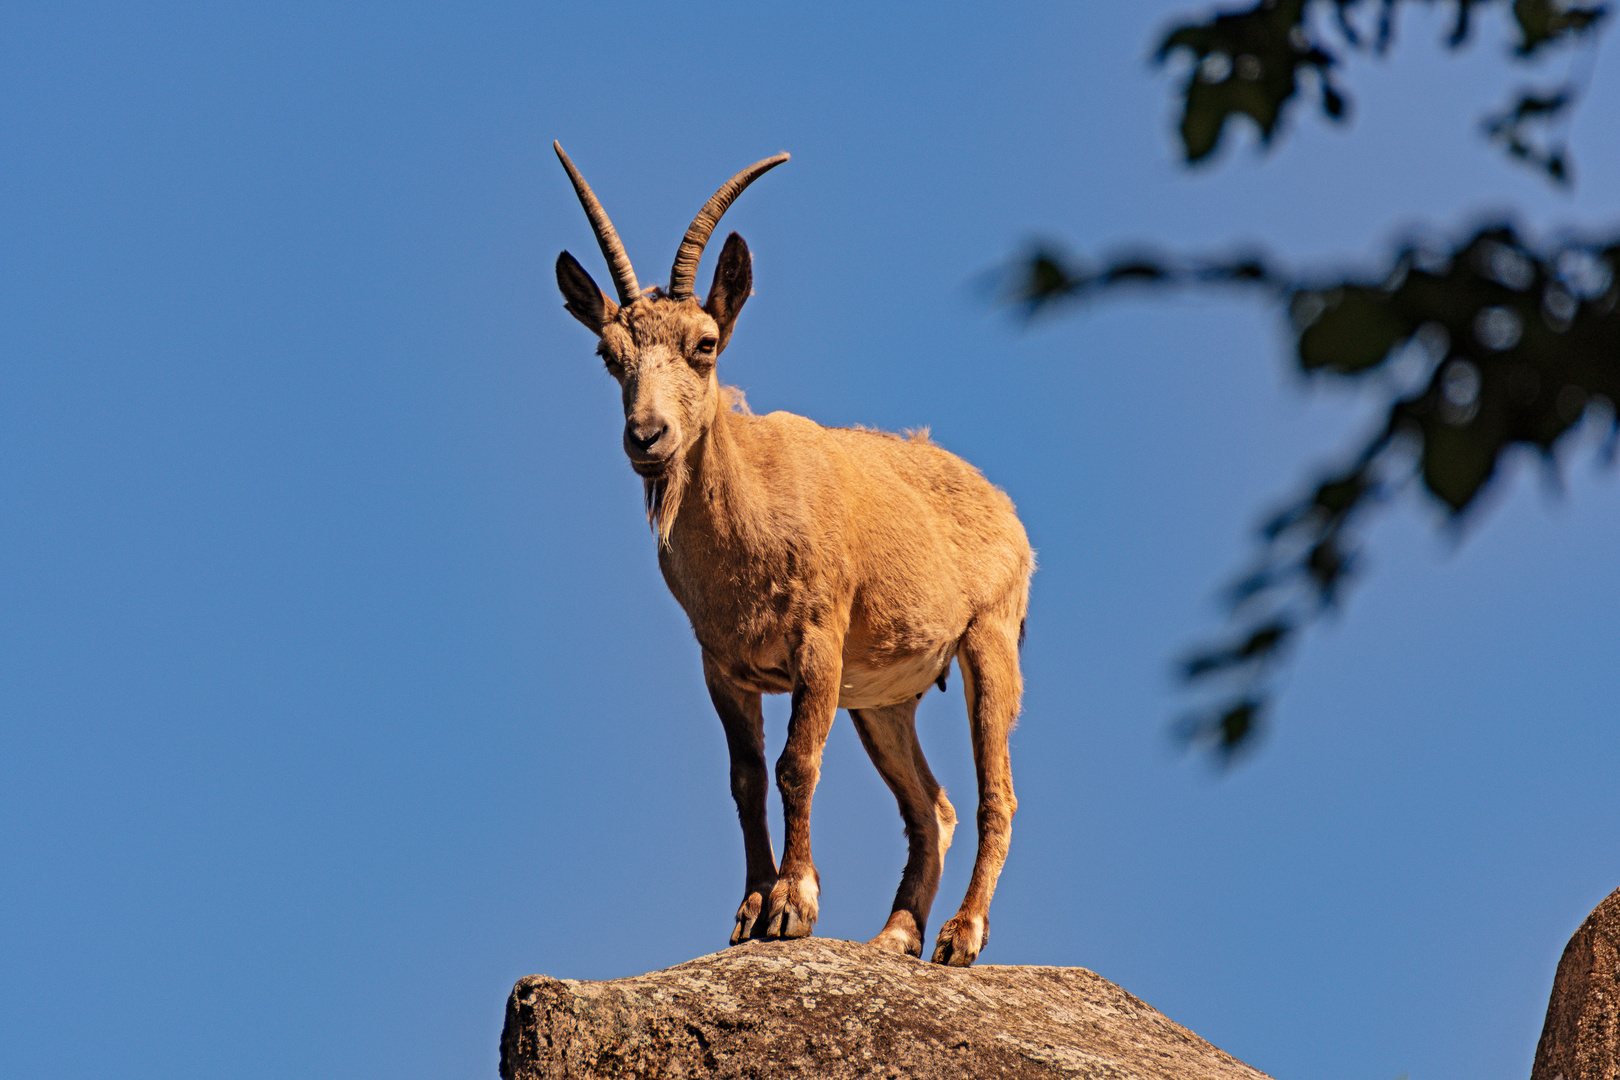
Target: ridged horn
[684, 271]
[624, 276]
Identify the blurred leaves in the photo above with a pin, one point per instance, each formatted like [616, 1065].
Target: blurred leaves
[1232, 731]
[1517, 343]
[1046, 278]
[1254, 62]
[1510, 128]
[1475, 348]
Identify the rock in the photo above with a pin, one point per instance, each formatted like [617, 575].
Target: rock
[1581, 1038]
[833, 1009]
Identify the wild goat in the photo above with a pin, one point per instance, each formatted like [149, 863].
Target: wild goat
[846, 567]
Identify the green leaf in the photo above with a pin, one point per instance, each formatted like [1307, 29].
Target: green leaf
[1457, 462]
[1245, 63]
[1356, 330]
[1544, 22]
[1237, 725]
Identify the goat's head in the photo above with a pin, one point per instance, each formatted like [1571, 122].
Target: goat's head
[662, 345]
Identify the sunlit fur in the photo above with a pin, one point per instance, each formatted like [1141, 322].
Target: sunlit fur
[845, 567]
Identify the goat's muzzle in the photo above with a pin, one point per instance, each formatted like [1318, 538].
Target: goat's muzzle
[649, 447]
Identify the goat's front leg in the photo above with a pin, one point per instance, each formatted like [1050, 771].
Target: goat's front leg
[818, 665]
[745, 737]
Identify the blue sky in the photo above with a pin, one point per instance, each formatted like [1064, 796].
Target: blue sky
[338, 684]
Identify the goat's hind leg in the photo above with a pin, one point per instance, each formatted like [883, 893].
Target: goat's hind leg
[750, 783]
[988, 658]
[890, 737]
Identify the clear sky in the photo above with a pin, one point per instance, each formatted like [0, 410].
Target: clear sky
[338, 684]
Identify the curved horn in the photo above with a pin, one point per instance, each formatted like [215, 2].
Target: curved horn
[684, 272]
[624, 277]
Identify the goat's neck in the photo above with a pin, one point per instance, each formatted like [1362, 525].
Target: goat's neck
[721, 505]
[716, 481]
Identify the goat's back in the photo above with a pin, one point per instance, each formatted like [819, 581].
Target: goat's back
[918, 525]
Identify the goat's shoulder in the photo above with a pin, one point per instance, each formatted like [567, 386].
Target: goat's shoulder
[784, 425]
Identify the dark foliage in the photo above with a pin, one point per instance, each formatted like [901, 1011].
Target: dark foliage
[1246, 63]
[1477, 347]
[1253, 63]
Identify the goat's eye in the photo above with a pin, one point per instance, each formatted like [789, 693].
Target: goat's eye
[706, 346]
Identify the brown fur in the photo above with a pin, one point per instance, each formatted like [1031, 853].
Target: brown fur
[842, 566]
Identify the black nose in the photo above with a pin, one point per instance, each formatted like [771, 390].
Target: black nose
[645, 436]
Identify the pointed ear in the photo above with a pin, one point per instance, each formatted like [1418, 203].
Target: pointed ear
[733, 284]
[584, 301]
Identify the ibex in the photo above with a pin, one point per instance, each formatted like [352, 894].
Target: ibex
[843, 566]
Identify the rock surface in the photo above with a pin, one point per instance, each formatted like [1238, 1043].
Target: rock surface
[1581, 1038]
[833, 1009]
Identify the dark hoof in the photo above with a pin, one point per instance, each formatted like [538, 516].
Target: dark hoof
[749, 924]
[793, 908]
[960, 940]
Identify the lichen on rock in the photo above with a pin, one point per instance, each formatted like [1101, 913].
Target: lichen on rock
[834, 1009]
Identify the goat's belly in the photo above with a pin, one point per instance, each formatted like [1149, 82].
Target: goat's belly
[870, 686]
